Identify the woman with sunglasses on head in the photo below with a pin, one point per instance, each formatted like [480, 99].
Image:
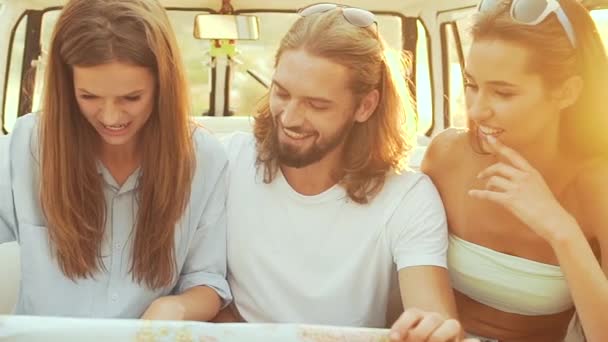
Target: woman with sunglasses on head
[525, 186]
[115, 198]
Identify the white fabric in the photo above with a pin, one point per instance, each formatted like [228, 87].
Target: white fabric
[324, 259]
[505, 282]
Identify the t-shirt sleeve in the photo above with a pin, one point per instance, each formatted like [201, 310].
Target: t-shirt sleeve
[418, 229]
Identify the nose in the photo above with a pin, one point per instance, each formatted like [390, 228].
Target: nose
[292, 114]
[109, 113]
[478, 106]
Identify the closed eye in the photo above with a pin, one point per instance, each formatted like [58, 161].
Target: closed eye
[132, 98]
[504, 94]
[88, 97]
[469, 84]
[281, 93]
[318, 106]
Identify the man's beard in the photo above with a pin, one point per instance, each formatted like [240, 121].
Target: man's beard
[291, 156]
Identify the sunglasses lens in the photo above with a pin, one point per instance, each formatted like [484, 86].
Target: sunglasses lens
[528, 11]
[359, 17]
[318, 8]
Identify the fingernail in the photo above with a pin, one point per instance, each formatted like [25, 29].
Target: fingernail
[395, 336]
[491, 139]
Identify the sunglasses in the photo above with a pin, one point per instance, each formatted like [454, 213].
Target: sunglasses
[533, 12]
[356, 16]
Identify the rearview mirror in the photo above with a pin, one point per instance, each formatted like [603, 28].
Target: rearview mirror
[222, 26]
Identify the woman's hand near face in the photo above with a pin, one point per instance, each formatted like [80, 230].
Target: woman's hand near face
[517, 186]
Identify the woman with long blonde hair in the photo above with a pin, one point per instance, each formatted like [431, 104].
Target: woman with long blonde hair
[98, 188]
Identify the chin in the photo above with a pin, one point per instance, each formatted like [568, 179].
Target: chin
[117, 141]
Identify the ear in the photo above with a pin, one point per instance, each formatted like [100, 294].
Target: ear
[569, 92]
[367, 106]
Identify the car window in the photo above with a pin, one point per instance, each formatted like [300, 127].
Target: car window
[255, 57]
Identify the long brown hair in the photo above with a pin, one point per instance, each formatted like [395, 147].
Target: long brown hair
[94, 32]
[555, 59]
[374, 147]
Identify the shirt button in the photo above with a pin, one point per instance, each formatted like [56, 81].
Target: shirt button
[117, 246]
[114, 297]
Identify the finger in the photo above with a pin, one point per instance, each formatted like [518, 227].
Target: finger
[501, 169]
[500, 184]
[448, 331]
[406, 321]
[497, 197]
[508, 153]
[425, 328]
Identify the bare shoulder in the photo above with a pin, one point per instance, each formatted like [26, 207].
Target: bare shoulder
[445, 150]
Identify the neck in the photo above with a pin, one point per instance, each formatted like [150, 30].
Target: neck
[121, 161]
[315, 178]
[118, 155]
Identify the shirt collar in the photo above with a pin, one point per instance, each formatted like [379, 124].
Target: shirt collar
[130, 184]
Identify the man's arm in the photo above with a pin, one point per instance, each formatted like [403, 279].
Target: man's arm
[427, 288]
[430, 309]
[419, 240]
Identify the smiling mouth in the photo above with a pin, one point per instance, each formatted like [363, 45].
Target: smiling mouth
[296, 136]
[116, 127]
[489, 131]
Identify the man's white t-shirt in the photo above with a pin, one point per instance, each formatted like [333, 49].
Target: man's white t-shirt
[324, 259]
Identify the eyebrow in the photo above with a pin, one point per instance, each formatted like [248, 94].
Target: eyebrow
[310, 98]
[495, 83]
[133, 93]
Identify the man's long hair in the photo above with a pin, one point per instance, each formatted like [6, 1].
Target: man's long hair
[374, 147]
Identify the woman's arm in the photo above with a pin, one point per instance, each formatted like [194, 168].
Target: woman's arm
[587, 283]
[202, 287]
[7, 212]
[586, 278]
[200, 303]
[228, 315]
